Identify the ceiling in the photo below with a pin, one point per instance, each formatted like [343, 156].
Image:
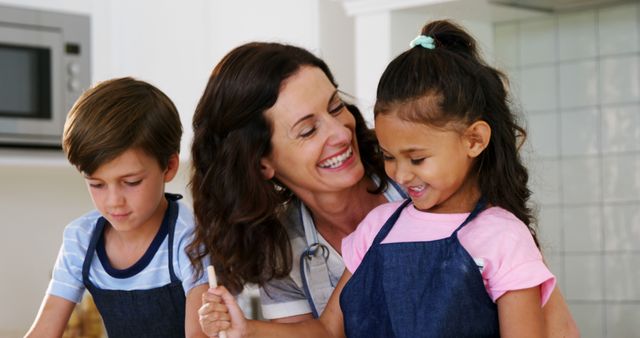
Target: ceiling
[556, 5]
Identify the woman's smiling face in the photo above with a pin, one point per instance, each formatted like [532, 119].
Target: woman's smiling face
[314, 148]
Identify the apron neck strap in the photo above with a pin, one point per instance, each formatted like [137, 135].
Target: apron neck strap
[388, 225]
[480, 206]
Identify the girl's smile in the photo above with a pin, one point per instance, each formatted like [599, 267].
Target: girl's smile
[416, 191]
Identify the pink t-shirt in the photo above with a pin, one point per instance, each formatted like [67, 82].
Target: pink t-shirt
[500, 244]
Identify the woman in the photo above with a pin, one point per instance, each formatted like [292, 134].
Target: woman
[283, 170]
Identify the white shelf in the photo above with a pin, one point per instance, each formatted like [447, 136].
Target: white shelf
[19, 157]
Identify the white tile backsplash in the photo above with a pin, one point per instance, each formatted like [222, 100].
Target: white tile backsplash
[622, 230]
[590, 319]
[622, 321]
[621, 178]
[622, 276]
[544, 181]
[620, 129]
[515, 88]
[555, 263]
[580, 132]
[506, 45]
[576, 35]
[578, 84]
[580, 181]
[550, 229]
[537, 41]
[538, 88]
[584, 277]
[582, 229]
[619, 79]
[543, 134]
[578, 76]
[618, 30]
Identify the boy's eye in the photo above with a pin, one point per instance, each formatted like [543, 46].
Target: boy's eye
[132, 183]
[417, 160]
[96, 185]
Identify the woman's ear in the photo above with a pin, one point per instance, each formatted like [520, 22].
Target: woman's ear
[268, 172]
[172, 167]
[477, 137]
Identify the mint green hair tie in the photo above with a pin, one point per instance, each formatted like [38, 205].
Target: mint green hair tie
[424, 41]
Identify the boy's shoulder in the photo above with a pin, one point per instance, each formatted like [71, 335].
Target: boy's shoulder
[185, 223]
[83, 224]
[185, 214]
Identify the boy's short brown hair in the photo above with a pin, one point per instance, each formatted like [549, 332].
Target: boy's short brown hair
[117, 115]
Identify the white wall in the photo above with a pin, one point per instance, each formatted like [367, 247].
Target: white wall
[170, 43]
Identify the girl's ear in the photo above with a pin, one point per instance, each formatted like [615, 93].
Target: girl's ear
[477, 137]
[267, 169]
[172, 167]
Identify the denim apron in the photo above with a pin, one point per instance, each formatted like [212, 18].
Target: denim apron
[418, 289]
[314, 269]
[157, 312]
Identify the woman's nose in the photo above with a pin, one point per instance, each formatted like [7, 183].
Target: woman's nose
[339, 133]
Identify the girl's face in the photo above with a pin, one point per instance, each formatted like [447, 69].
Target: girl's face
[431, 163]
[129, 190]
[314, 147]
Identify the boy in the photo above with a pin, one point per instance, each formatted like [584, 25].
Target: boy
[123, 135]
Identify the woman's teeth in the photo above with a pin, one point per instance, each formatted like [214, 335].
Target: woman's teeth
[336, 161]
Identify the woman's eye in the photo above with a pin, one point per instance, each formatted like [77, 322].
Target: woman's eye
[337, 109]
[417, 160]
[306, 132]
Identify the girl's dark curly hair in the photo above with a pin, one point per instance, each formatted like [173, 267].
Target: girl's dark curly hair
[236, 209]
[451, 83]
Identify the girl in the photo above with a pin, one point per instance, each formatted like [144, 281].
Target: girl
[458, 259]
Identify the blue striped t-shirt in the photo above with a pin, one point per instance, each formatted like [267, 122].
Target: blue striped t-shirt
[66, 281]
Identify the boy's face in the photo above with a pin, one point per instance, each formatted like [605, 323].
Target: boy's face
[129, 190]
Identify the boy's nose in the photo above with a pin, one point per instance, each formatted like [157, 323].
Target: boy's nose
[115, 197]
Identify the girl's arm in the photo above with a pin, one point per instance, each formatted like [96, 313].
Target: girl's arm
[558, 320]
[52, 317]
[193, 302]
[520, 314]
[220, 312]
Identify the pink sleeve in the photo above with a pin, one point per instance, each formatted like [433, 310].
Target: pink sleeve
[356, 244]
[351, 251]
[517, 265]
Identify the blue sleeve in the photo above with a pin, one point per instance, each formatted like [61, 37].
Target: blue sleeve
[184, 234]
[66, 279]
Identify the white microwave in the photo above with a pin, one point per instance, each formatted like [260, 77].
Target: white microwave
[44, 67]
